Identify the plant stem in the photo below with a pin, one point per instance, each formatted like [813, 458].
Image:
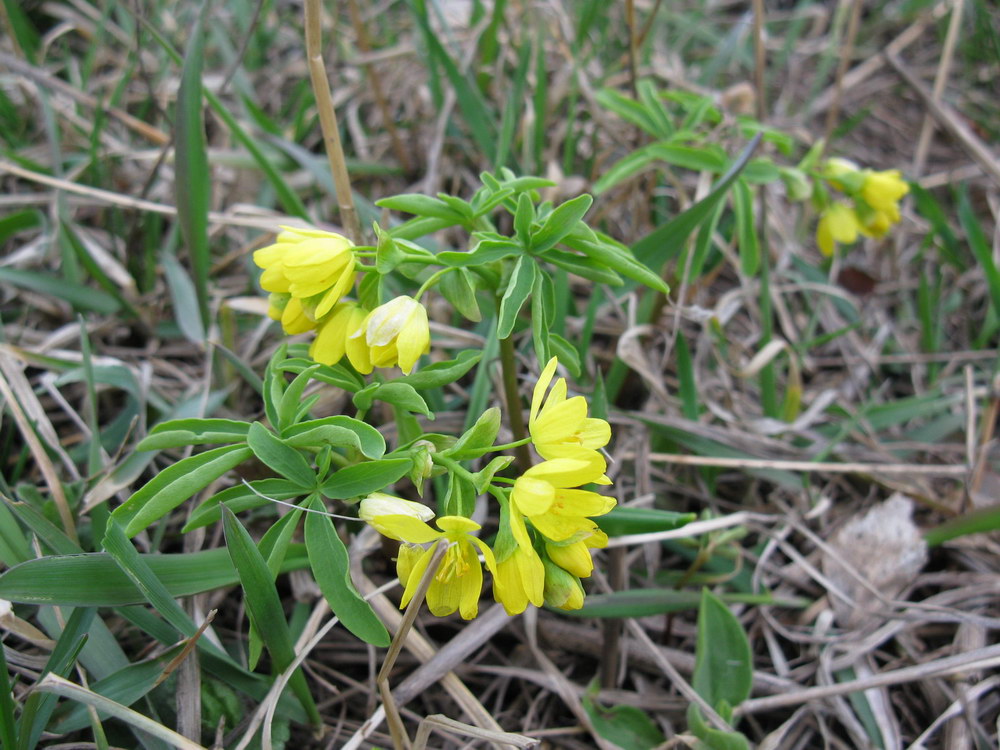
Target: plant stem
[513, 397]
[328, 121]
[433, 279]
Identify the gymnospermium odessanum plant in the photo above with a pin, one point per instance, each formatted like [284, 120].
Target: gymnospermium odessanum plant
[849, 200]
[349, 296]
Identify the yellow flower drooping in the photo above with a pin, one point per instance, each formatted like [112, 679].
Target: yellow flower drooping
[458, 581]
[289, 310]
[882, 191]
[336, 336]
[560, 427]
[308, 264]
[396, 333]
[546, 494]
[839, 223]
[519, 579]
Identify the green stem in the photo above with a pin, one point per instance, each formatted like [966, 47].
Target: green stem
[508, 446]
[433, 279]
[513, 397]
[453, 466]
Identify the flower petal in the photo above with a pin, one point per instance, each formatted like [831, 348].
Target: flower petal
[538, 395]
[532, 496]
[404, 528]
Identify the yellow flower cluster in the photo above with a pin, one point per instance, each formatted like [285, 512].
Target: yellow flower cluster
[308, 273]
[544, 567]
[873, 210]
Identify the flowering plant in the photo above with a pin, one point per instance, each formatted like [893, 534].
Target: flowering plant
[364, 308]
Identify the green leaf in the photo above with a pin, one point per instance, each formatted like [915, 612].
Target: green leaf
[80, 297]
[618, 257]
[421, 205]
[479, 438]
[152, 589]
[746, 227]
[179, 433]
[340, 432]
[626, 726]
[241, 497]
[667, 240]
[7, 722]
[698, 158]
[483, 477]
[518, 289]
[184, 298]
[264, 607]
[124, 686]
[93, 579]
[723, 669]
[583, 266]
[388, 254]
[280, 457]
[714, 739]
[624, 168]
[335, 375]
[397, 393]
[442, 373]
[332, 569]
[560, 223]
[524, 216]
[290, 407]
[38, 707]
[623, 521]
[194, 182]
[365, 478]
[980, 521]
[649, 602]
[567, 353]
[459, 289]
[485, 251]
[175, 484]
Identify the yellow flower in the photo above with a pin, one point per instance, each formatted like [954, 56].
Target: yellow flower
[839, 223]
[519, 579]
[308, 263]
[396, 332]
[545, 494]
[458, 581]
[562, 589]
[559, 426]
[289, 310]
[883, 190]
[575, 557]
[336, 336]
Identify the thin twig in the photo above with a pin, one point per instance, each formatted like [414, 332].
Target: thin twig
[949, 120]
[944, 68]
[983, 658]
[328, 120]
[833, 467]
[833, 114]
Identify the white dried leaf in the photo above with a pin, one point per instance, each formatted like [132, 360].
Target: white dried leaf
[885, 548]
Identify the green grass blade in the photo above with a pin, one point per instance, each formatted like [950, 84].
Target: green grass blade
[264, 606]
[194, 178]
[667, 240]
[331, 567]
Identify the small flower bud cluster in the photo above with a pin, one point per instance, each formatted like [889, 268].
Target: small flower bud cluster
[309, 272]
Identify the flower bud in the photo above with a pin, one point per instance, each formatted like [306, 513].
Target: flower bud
[423, 464]
[562, 589]
[379, 504]
[797, 185]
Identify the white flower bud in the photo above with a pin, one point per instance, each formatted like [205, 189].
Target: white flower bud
[380, 504]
